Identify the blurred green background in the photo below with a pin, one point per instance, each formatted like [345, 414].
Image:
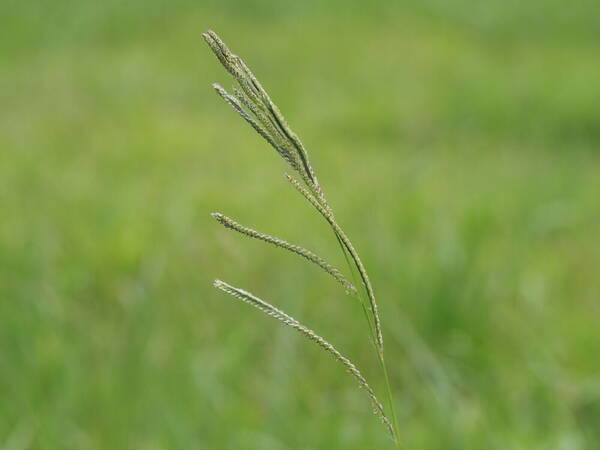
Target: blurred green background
[457, 141]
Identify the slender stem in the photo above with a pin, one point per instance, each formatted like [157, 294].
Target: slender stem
[380, 354]
[366, 282]
[390, 399]
[373, 318]
[357, 295]
[327, 214]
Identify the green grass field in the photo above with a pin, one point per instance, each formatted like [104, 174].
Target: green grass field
[458, 145]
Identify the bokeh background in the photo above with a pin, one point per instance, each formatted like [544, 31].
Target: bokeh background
[458, 142]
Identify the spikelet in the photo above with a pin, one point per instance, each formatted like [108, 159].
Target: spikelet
[266, 133]
[278, 314]
[259, 103]
[310, 256]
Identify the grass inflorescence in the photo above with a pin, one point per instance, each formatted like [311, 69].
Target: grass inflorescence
[255, 106]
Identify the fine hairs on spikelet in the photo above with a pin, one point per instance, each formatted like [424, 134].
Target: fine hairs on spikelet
[255, 106]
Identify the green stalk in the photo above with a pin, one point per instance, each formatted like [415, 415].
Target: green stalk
[266, 119]
[373, 336]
